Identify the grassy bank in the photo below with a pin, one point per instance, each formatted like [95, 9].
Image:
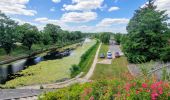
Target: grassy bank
[85, 62]
[117, 69]
[21, 50]
[50, 71]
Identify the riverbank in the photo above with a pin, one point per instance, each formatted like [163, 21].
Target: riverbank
[50, 71]
[21, 52]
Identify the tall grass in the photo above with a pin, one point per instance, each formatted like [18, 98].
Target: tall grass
[85, 62]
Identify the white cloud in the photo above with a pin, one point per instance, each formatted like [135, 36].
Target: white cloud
[113, 9]
[78, 17]
[163, 5]
[52, 9]
[84, 28]
[16, 7]
[45, 21]
[56, 1]
[106, 22]
[83, 5]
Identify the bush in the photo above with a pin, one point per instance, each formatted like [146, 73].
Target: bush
[165, 54]
[113, 89]
[76, 69]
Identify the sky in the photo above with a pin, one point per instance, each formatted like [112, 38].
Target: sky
[77, 15]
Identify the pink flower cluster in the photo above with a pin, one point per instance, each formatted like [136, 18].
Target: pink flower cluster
[156, 89]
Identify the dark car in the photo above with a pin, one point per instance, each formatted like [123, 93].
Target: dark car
[117, 55]
[102, 55]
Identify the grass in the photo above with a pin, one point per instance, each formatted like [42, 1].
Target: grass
[21, 50]
[115, 70]
[88, 62]
[49, 71]
[104, 49]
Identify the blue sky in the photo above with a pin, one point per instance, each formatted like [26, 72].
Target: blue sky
[81, 15]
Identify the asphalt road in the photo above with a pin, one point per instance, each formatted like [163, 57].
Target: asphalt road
[115, 48]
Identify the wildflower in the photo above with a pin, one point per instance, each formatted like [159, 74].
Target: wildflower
[91, 98]
[127, 87]
[144, 85]
[137, 92]
[128, 94]
[160, 90]
[148, 90]
[154, 95]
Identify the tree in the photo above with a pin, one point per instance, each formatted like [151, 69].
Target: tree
[29, 34]
[145, 34]
[105, 38]
[118, 37]
[21, 31]
[31, 37]
[45, 38]
[7, 33]
[53, 31]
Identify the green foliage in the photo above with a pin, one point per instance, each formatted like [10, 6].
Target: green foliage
[53, 31]
[112, 90]
[27, 35]
[146, 35]
[46, 38]
[7, 33]
[118, 37]
[84, 62]
[165, 54]
[74, 70]
[105, 38]
[165, 75]
[31, 37]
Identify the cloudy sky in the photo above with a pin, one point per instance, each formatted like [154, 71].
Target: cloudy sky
[82, 15]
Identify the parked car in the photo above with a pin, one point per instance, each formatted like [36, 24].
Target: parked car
[117, 55]
[102, 55]
[109, 55]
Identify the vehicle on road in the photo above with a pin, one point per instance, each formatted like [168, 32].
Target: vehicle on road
[102, 55]
[117, 54]
[109, 55]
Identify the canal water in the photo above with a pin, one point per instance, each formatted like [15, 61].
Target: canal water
[9, 72]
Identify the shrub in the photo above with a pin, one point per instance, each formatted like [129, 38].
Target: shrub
[165, 54]
[113, 89]
[76, 69]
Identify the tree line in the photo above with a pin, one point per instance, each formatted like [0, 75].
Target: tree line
[148, 35]
[26, 34]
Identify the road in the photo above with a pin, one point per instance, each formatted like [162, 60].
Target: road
[115, 48]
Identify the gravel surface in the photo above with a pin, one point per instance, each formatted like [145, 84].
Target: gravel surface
[154, 69]
[18, 93]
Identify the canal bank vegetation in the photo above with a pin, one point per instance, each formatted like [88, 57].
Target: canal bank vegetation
[49, 71]
[18, 40]
[85, 62]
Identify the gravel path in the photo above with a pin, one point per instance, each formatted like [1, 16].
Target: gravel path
[90, 73]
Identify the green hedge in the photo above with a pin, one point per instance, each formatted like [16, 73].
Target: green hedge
[85, 62]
